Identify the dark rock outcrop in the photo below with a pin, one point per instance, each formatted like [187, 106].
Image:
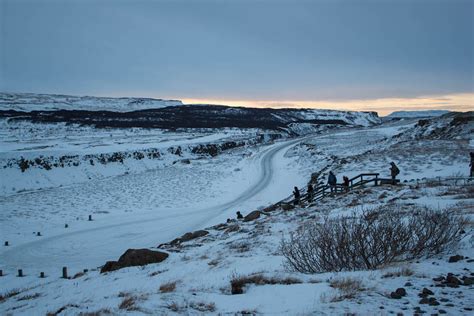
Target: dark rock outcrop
[134, 257]
[455, 258]
[252, 216]
[189, 236]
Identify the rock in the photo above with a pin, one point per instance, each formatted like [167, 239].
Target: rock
[194, 235]
[444, 300]
[468, 281]
[185, 161]
[442, 311]
[427, 291]
[401, 291]
[452, 281]
[424, 300]
[455, 258]
[287, 207]
[408, 284]
[433, 301]
[252, 216]
[134, 257]
[395, 296]
[439, 279]
[189, 236]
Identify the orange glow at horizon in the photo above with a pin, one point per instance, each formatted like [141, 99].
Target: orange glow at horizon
[454, 102]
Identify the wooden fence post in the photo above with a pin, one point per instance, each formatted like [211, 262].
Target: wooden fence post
[20, 273]
[41, 274]
[6, 243]
[64, 272]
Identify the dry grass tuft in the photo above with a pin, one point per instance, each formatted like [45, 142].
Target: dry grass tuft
[100, 312]
[9, 294]
[203, 307]
[29, 297]
[239, 282]
[405, 271]
[348, 288]
[168, 287]
[129, 304]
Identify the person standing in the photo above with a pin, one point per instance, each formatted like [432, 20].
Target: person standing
[310, 192]
[297, 195]
[394, 171]
[472, 164]
[332, 180]
[345, 183]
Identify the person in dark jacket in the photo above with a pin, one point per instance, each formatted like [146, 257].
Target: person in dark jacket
[332, 180]
[239, 215]
[345, 183]
[296, 193]
[310, 192]
[472, 164]
[394, 171]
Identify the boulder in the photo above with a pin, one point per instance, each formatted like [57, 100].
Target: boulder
[455, 258]
[287, 207]
[252, 216]
[468, 281]
[189, 236]
[401, 291]
[395, 296]
[427, 291]
[134, 257]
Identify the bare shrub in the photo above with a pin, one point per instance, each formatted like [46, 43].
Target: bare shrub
[237, 283]
[168, 287]
[348, 287]
[374, 239]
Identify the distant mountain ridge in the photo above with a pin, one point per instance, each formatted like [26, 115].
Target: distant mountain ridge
[417, 114]
[52, 102]
[155, 113]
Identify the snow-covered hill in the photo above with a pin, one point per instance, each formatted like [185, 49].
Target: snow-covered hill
[454, 125]
[50, 102]
[417, 114]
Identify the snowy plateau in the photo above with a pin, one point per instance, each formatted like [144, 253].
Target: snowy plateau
[137, 199]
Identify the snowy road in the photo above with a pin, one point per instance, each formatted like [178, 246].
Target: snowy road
[105, 239]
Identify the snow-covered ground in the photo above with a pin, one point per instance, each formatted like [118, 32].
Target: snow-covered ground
[147, 207]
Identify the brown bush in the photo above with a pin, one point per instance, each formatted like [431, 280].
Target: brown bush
[237, 283]
[168, 287]
[128, 303]
[372, 240]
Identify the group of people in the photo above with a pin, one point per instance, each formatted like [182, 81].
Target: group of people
[332, 182]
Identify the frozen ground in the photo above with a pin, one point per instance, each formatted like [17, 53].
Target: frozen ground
[154, 206]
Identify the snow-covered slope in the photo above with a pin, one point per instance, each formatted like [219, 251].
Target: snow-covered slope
[453, 125]
[48, 102]
[417, 114]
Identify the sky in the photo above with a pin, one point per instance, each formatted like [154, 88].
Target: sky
[380, 55]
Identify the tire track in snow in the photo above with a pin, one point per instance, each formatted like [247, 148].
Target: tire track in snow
[93, 246]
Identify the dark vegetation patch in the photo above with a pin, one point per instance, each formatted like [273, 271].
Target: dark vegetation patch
[238, 283]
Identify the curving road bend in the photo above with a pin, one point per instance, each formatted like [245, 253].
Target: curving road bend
[91, 247]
